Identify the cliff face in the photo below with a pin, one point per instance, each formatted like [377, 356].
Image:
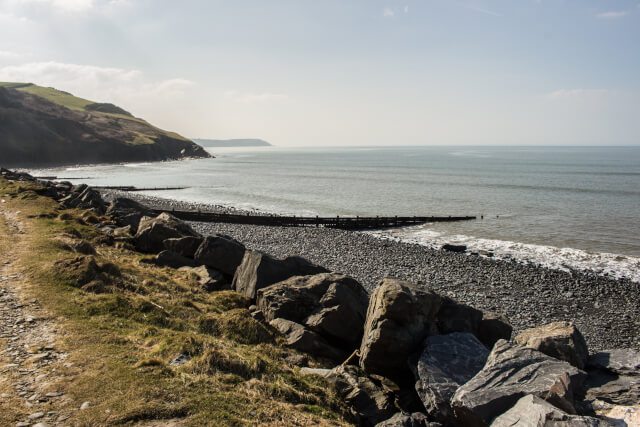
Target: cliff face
[45, 127]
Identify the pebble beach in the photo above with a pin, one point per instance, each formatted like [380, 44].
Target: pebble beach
[604, 309]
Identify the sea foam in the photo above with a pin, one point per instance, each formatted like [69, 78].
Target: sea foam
[564, 259]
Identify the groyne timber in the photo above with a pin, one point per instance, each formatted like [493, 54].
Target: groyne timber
[345, 223]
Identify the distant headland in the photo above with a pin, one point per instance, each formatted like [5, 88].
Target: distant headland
[250, 142]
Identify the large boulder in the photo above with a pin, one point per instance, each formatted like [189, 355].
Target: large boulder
[447, 362]
[127, 212]
[185, 246]
[221, 253]
[399, 317]
[531, 411]
[487, 326]
[258, 270]
[152, 232]
[305, 340]
[333, 305]
[173, 260]
[561, 340]
[84, 197]
[511, 372]
[370, 403]
[492, 328]
[614, 378]
[620, 361]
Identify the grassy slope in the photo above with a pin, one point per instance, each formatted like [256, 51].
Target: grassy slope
[78, 104]
[120, 343]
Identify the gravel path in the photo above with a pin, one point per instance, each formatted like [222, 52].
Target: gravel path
[28, 355]
[605, 310]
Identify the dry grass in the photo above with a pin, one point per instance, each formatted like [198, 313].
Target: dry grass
[121, 335]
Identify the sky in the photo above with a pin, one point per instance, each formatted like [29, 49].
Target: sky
[344, 72]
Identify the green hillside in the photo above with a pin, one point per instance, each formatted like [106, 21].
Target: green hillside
[33, 117]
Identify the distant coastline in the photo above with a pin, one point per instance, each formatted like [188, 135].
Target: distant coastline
[249, 142]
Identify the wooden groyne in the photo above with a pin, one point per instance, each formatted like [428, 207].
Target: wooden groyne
[348, 223]
[132, 188]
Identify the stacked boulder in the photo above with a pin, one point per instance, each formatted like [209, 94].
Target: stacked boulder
[322, 314]
[438, 361]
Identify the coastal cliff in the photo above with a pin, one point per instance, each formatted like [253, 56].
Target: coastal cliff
[46, 127]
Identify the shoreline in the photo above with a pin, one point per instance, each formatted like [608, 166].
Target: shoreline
[604, 309]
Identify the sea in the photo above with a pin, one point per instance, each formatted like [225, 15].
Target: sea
[567, 208]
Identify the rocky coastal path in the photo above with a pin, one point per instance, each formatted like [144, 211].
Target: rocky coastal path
[29, 355]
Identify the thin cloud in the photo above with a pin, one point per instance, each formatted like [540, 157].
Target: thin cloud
[67, 5]
[388, 13]
[406, 9]
[575, 93]
[613, 14]
[5, 54]
[254, 98]
[100, 84]
[482, 10]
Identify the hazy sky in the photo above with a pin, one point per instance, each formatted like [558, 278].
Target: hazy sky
[344, 72]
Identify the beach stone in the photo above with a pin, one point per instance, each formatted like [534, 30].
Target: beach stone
[259, 270]
[400, 315]
[561, 340]
[127, 212]
[333, 305]
[305, 340]
[511, 372]
[401, 419]
[446, 362]
[184, 246]
[531, 411]
[221, 253]
[368, 401]
[620, 361]
[454, 248]
[152, 232]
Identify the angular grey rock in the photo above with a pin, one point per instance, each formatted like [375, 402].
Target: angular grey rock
[369, 402]
[457, 317]
[614, 378]
[221, 253]
[561, 340]
[210, 279]
[612, 389]
[152, 232]
[302, 339]
[492, 328]
[447, 362]
[173, 260]
[510, 373]
[185, 246]
[531, 411]
[487, 326]
[400, 419]
[259, 270]
[127, 212]
[399, 317]
[620, 361]
[330, 304]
